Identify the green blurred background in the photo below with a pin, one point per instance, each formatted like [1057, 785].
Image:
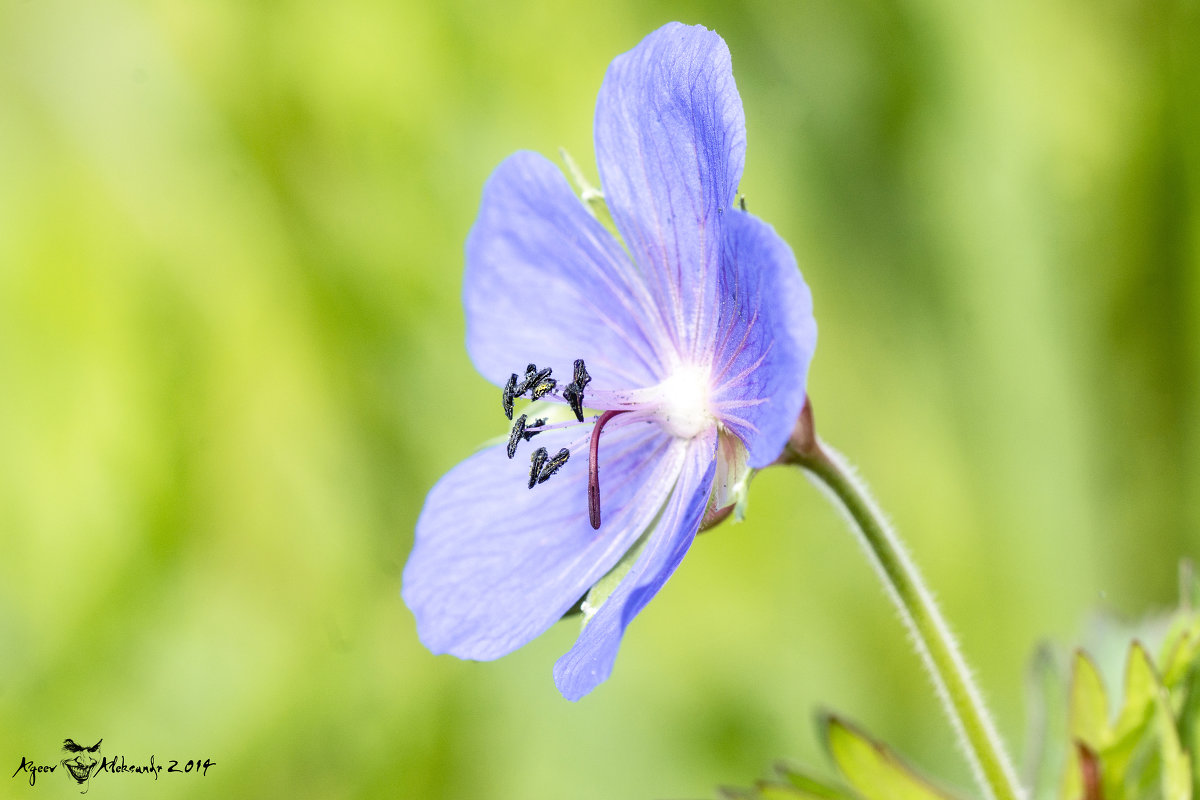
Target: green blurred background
[231, 365]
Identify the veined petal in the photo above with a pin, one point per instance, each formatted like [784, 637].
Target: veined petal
[765, 340]
[590, 661]
[545, 281]
[670, 145]
[495, 563]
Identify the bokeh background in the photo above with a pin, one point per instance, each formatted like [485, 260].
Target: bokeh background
[231, 365]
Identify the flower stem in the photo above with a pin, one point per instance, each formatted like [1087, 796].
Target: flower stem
[934, 641]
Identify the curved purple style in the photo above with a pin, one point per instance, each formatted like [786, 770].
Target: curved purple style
[699, 327]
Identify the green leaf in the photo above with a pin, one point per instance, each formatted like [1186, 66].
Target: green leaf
[1181, 650]
[812, 787]
[1188, 717]
[1125, 756]
[1075, 786]
[1141, 689]
[799, 786]
[776, 791]
[1132, 728]
[1177, 767]
[872, 769]
[1088, 715]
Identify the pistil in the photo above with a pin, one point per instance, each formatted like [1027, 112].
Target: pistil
[594, 468]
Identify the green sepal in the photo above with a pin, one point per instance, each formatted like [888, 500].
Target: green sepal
[1180, 651]
[592, 197]
[612, 579]
[1141, 689]
[1176, 764]
[1130, 733]
[1144, 754]
[1087, 720]
[872, 769]
[737, 793]
[776, 791]
[809, 787]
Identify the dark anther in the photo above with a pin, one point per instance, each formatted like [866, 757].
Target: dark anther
[522, 387]
[553, 465]
[573, 394]
[544, 385]
[742, 202]
[581, 376]
[517, 432]
[528, 434]
[537, 460]
[574, 398]
[531, 379]
[510, 391]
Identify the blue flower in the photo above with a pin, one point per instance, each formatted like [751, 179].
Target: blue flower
[692, 340]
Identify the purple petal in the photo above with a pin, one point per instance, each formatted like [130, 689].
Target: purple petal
[545, 282]
[766, 338]
[590, 661]
[670, 144]
[496, 563]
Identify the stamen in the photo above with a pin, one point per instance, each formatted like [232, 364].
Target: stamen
[528, 434]
[594, 468]
[531, 427]
[544, 385]
[541, 464]
[554, 465]
[574, 398]
[517, 432]
[532, 378]
[581, 376]
[510, 391]
[573, 394]
[538, 380]
[537, 460]
[522, 387]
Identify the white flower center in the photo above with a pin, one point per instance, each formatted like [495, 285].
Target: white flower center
[683, 409]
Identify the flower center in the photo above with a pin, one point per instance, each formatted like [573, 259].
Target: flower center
[683, 409]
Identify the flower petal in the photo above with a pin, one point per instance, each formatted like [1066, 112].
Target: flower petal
[545, 282]
[670, 145]
[495, 563]
[590, 661]
[765, 340]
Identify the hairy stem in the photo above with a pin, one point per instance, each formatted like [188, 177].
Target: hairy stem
[934, 641]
